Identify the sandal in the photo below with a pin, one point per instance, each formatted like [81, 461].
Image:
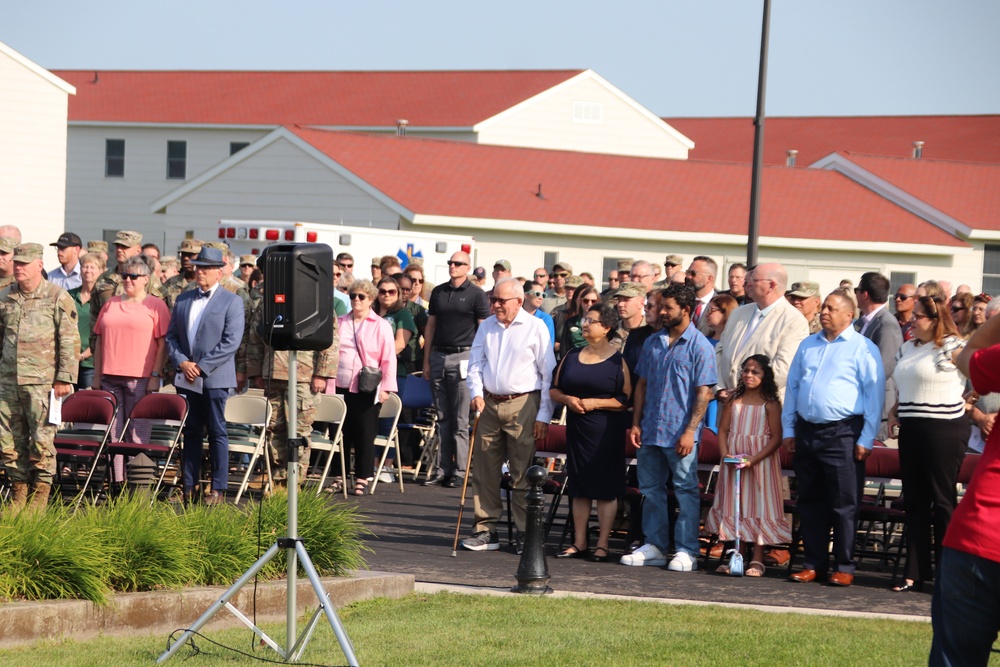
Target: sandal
[756, 569]
[722, 569]
[594, 558]
[360, 487]
[336, 485]
[574, 551]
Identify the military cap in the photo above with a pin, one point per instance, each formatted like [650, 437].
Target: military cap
[7, 244]
[168, 261]
[631, 289]
[27, 252]
[625, 265]
[128, 239]
[502, 263]
[574, 281]
[673, 260]
[97, 246]
[191, 246]
[562, 266]
[804, 289]
[376, 261]
[248, 260]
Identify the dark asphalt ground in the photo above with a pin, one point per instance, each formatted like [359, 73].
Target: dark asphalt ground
[414, 531]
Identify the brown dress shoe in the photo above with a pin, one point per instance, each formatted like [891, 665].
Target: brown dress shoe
[213, 498]
[841, 579]
[776, 557]
[803, 576]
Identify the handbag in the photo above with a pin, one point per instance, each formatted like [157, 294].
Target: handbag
[370, 377]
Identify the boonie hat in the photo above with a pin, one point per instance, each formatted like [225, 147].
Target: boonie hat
[248, 260]
[574, 281]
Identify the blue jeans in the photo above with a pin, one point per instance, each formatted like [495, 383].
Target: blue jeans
[655, 467]
[965, 609]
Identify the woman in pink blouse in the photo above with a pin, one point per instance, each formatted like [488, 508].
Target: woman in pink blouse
[130, 348]
[365, 340]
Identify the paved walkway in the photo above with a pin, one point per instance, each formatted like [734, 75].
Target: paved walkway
[413, 534]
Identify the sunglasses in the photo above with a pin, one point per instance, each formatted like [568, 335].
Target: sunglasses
[903, 297]
[958, 309]
[346, 266]
[535, 293]
[359, 297]
[454, 263]
[389, 292]
[419, 281]
[133, 276]
[541, 276]
[560, 275]
[500, 299]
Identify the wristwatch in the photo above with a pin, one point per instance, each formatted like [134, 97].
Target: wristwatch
[154, 374]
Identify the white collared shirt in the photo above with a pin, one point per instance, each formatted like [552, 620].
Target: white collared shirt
[197, 309]
[68, 281]
[867, 319]
[514, 359]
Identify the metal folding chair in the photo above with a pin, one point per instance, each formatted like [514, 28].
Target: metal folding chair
[415, 392]
[88, 417]
[391, 410]
[247, 418]
[330, 411]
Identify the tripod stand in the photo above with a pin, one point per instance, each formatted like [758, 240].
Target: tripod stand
[295, 551]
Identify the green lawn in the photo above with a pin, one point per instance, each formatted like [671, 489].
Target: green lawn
[451, 629]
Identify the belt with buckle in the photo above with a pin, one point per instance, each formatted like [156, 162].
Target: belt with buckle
[451, 350]
[503, 398]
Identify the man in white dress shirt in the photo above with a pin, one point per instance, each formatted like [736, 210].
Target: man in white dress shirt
[510, 370]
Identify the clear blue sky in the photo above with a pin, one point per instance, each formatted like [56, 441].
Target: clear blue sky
[677, 57]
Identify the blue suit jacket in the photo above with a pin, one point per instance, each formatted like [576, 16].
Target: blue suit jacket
[216, 341]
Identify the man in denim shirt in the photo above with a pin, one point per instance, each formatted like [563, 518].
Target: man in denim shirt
[675, 376]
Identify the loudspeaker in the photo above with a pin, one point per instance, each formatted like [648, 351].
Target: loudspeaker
[298, 296]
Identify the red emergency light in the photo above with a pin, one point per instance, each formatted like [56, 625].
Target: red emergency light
[271, 235]
[254, 233]
[466, 248]
[231, 233]
[289, 234]
[311, 237]
[222, 232]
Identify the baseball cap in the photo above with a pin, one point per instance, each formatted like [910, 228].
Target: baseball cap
[67, 240]
[128, 239]
[804, 288]
[673, 260]
[562, 266]
[191, 246]
[502, 263]
[27, 252]
[631, 289]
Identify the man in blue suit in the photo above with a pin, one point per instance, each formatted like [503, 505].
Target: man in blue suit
[205, 331]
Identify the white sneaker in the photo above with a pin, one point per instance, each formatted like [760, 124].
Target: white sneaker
[386, 477]
[647, 554]
[682, 562]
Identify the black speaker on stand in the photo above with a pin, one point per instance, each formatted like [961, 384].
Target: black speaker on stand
[298, 296]
[298, 315]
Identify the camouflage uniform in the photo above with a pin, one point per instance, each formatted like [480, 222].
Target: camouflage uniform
[272, 365]
[5, 282]
[40, 346]
[174, 287]
[7, 245]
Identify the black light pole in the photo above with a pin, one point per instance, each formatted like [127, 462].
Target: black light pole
[758, 141]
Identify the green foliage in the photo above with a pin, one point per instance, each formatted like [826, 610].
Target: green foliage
[51, 556]
[128, 545]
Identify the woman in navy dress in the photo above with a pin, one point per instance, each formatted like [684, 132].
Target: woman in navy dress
[593, 383]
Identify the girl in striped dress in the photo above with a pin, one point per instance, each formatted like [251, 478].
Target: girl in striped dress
[750, 427]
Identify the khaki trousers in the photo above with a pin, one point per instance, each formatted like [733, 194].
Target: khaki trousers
[505, 433]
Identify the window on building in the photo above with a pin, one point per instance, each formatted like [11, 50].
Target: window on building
[177, 159]
[897, 278]
[550, 259]
[236, 146]
[587, 112]
[114, 158]
[991, 269]
[610, 264]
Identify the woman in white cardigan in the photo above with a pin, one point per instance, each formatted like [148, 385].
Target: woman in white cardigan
[933, 433]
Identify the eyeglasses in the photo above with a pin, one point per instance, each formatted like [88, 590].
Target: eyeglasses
[589, 302]
[454, 263]
[589, 320]
[535, 293]
[359, 297]
[612, 279]
[903, 297]
[561, 274]
[133, 276]
[387, 292]
[418, 281]
[640, 276]
[541, 276]
[500, 299]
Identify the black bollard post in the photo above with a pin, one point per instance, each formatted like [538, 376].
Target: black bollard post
[533, 572]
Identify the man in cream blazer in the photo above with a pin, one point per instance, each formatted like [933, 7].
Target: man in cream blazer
[767, 324]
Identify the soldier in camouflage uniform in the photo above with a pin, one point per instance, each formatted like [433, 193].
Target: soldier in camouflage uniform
[7, 246]
[184, 280]
[267, 369]
[39, 352]
[127, 245]
[99, 248]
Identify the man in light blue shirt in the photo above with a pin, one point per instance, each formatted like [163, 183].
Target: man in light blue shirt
[833, 406]
[67, 274]
[534, 294]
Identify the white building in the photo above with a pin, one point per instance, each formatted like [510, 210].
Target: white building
[33, 112]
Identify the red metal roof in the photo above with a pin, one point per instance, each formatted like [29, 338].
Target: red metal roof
[353, 99]
[967, 191]
[970, 138]
[494, 182]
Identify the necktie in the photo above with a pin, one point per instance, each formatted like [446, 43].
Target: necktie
[750, 329]
[697, 312]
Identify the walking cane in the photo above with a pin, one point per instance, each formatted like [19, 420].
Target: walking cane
[465, 486]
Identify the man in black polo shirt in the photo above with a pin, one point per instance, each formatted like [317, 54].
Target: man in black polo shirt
[455, 311]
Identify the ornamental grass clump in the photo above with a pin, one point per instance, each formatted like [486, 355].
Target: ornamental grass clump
[150, 547]
[52, 556]
[225, 542]
[331, 532]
